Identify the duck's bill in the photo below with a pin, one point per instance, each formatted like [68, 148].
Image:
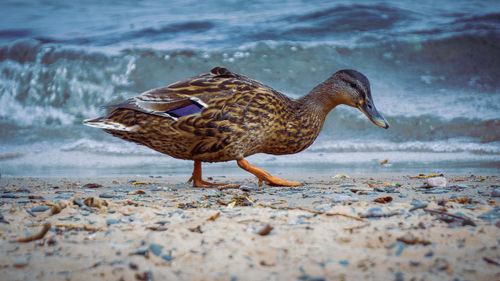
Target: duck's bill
[371, 112]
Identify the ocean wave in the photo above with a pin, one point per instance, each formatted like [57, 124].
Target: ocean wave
[443, 146]
[455, 145]
[438, 96]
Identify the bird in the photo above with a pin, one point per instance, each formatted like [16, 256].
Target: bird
[223, 116]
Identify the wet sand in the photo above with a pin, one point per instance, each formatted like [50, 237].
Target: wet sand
[378, 227]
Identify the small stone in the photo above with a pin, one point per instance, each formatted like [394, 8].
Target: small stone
[347, 185]
[112, 221]
[141, 252]
[167, 257]
[247, 188]
[399, 276]
[2, 219]
[495, 192]
[9, 195]
[78, 202]
[400, 246]
[309, 277]
[133, 266]
[436, 182]
[414, 263]
[323, 207]
[383, 200]
[31, 213]
[40, 209]
[375, 211]
[92, 185]
[490, 216]
[106, 195]
[417, 205]
[429, 254]
[344, 262]
[338, 198]
[21, 262]
[265, 230]
[155, 249]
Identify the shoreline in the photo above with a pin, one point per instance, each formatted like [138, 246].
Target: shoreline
[378, 226]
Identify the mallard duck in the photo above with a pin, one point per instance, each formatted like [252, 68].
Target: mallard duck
[222, 116]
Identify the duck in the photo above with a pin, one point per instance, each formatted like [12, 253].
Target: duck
[223, 116]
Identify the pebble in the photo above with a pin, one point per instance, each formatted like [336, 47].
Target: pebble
[375, 211]
[155, 249]
[9, 195]
[2, 220]
[495, 192]
[21, 262]
[344, 262]
[438, 190]
[436, 182]
[179, 212]
[417, 205]
[323, 207]
[40, 209]
[399, 276]
[107, 195]
[247, 188]
[92, 185]
[309, 277]
[347, 185]
[133, 266]
[31, 213]
[112, 221]
[167, 257]
[400, 247]
[78, 202]
[338, 198]
[490, 216]
[414, 263]
[141, 252]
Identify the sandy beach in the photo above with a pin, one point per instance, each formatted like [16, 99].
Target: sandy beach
[338, 227]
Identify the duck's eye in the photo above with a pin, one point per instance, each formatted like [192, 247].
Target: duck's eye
[369, 106]
[353, 85]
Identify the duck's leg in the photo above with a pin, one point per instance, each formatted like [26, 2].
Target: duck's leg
[265, 176]
[196, 177]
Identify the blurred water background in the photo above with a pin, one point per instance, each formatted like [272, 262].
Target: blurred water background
[434, 67]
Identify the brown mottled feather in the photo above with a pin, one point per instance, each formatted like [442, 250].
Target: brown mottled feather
[240, 117]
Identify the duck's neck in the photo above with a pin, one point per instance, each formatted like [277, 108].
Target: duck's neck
[298, 128]
[320, 100]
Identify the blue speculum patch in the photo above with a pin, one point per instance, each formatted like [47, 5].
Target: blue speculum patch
[185, 110]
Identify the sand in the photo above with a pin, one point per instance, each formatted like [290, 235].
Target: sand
[378, 227]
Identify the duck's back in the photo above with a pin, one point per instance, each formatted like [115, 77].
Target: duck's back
[219, 116]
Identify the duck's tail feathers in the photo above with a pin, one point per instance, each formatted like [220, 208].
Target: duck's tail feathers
[106, 124]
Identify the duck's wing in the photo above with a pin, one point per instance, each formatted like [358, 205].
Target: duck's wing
[192, 95]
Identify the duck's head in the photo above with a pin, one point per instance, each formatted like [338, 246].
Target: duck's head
[353, 88]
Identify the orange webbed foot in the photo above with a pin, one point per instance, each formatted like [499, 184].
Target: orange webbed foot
[264, 176]
[198, 182]
[205, 184]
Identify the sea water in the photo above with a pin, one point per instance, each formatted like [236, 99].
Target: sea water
[434, 68]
